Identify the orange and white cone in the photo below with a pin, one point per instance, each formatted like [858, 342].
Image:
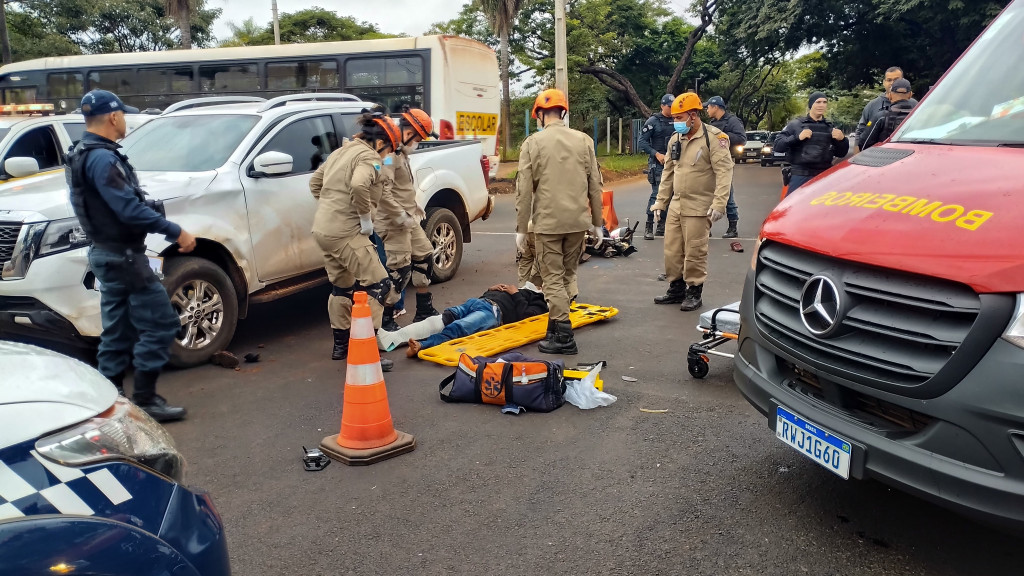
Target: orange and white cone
[367, 433]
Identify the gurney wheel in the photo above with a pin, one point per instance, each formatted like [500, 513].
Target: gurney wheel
[698, 368]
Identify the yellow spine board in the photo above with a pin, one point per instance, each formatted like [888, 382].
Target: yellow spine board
[506, 337]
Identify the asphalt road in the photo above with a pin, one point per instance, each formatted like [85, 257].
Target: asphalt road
[702, 489]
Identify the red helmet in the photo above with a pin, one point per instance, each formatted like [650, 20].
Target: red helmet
[420, 122]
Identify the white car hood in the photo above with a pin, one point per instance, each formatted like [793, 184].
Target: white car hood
[43, 391]
[48, 196]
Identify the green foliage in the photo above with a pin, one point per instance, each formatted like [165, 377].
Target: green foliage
[304, 26]
[61, 27]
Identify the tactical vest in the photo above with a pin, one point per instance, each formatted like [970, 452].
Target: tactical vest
[815, 153]
[97, 218]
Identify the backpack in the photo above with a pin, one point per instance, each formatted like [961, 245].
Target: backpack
[537, 385]
[885, 126]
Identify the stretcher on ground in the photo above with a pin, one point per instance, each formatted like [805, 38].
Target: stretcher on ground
[506, 337]
[715, 332]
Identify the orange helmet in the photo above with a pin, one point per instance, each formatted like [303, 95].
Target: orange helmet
[550, 99]
[420, 122]
[686, 103]
[394, 134]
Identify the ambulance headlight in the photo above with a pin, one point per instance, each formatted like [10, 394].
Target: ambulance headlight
[124, 432]
[1015, 333]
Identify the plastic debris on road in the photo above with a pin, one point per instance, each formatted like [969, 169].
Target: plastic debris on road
[583, 395]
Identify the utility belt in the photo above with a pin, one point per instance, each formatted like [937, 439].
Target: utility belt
[119, 248]
[803, 171]
[134, 269]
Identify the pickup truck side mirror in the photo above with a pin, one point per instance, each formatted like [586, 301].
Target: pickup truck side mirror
[21, 166]
[272, 164]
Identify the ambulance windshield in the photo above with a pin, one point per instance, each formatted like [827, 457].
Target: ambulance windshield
[980, 102]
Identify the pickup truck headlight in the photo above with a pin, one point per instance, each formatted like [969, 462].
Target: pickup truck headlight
[766, 150]
[1015, 333]
[62, 235]
[124, 432]
[739, 148]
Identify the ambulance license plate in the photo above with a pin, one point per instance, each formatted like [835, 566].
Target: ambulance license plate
[818, 444]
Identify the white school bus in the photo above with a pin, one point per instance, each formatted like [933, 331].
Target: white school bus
[454, 79]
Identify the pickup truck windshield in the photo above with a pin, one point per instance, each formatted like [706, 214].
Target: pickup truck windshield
[186, 143]
[980, 102]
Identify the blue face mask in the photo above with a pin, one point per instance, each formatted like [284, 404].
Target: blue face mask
[681, 127]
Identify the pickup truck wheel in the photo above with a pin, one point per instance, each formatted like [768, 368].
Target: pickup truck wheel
[204, 299]
[445, 234]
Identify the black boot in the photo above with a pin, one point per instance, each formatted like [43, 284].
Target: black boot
[145, 397]
[659, 232]
[388, 323]
[649, 231]
[676, 293]
[424, 307]
[340, 345]
[118, 382]
[561, 341]
[731, 232]
[693, 300]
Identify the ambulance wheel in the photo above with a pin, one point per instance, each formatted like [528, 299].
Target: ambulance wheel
[698, 368]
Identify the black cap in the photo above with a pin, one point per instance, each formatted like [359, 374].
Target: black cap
[901, 86]
[667, 100]
[814, 97]
[99, 102]
[715, 101]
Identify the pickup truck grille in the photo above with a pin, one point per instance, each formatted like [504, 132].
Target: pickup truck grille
[8, 238]
[895, 328]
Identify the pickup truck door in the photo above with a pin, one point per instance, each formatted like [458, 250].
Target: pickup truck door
[281, 208]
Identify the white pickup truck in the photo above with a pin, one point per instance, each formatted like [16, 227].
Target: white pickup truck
[234, 172]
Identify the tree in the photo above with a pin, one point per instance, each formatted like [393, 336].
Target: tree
[706, 10]
[244, 34]
[181, 12]
[5, 40]
[319, 25]
[502, 15]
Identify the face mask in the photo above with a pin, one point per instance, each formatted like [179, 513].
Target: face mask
[681, 127]
[411, 146]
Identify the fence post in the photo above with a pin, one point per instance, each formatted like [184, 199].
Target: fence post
[608, 136]
[595, 135]
[526, 121]
[620, 135]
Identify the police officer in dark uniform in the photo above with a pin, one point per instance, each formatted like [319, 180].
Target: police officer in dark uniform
[733, 126]
[654, 140]
[137, 316]
[811, 143]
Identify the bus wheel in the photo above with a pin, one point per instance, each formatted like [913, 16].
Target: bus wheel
[445, 234]
[205, 301]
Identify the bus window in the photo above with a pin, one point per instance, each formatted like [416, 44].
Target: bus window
[20, 95]
[119, 82]
[298, 75]
[228, 78]
[163, 80]
[65, 85]
[403, 71]
[40, 144]
[309, 142]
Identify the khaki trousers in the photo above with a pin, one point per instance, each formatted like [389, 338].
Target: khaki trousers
[526, 263]
[686, 247]
[559, 258]
[405, 245]
[348, 261]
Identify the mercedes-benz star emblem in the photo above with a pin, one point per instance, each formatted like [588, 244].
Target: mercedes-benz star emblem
[820, 306]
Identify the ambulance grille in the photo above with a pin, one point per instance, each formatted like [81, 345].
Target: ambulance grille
[894, 329]
[9, 232]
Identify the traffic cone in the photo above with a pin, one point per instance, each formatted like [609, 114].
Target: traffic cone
[367, 435]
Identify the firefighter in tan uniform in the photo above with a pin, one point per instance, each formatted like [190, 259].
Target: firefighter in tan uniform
[559, 189]
[410, 254]
[348, 188]
[697, 177]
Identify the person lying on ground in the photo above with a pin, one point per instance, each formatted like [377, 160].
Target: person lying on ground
[500, 304]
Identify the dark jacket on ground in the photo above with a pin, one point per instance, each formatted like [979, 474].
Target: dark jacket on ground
[519, 306]
[732, 126]
[814, 155]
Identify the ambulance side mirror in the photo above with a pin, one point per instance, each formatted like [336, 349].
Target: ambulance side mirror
[21, 166]
[272, 164]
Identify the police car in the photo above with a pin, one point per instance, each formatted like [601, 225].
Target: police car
[90, 484]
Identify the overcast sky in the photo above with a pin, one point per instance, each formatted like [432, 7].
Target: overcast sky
[411, 17]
